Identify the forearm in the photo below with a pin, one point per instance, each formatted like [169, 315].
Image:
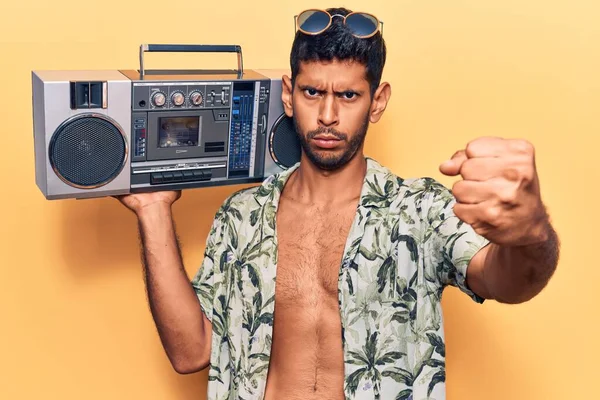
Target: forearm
[515, 274]
[173, 302]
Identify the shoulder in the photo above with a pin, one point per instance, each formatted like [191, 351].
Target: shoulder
[396, 186]
[415, 195]
[430, 196]
[244, 201]
[241, 197]
[383, 176]
[237, 204]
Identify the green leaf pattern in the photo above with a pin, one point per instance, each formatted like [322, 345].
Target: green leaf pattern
[405, 246]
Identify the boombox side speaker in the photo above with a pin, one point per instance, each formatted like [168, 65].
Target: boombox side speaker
[282, 147]
[82, 127]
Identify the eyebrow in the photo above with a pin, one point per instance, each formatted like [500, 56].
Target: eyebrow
[304, 87]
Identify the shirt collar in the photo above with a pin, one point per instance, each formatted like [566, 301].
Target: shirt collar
[380, 186]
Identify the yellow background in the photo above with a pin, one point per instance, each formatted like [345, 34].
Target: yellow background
[74, 323]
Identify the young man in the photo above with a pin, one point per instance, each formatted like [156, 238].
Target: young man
[325, 281]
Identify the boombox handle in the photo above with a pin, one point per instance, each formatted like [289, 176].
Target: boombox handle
[192, 48]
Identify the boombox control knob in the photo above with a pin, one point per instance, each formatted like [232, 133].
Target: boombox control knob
[177, 98]
[158, 99]
[196, 98]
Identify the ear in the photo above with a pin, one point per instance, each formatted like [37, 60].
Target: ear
[286, 95]
[380, 100]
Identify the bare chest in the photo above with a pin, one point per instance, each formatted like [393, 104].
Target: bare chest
[310, 250]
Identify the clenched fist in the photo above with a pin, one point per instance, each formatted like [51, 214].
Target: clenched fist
[499, 195]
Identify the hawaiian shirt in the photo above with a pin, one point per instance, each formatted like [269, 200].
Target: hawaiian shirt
[404, 247]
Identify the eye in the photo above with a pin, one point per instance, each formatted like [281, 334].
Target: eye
[311, 92]
[349, 95]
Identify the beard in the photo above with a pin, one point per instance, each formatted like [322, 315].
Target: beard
[329, 160]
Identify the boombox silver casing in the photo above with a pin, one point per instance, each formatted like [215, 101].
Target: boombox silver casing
[51, 92]
[275, 113]
[51, 99]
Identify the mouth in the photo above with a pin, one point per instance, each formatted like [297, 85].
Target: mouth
[326, 137]
[326, 141]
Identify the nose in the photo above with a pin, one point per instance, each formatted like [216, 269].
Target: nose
[328, 113]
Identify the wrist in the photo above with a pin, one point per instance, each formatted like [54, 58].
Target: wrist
[152, 211]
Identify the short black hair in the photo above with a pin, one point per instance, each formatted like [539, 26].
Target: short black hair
[338, 43]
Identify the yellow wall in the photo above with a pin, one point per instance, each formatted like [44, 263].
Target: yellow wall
[73, 317]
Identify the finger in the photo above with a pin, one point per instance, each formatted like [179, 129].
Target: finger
[476, 215]
[483, 169]
[487, 147]
[472, 192]
[468, 214]
[498, 147]
[452, 166]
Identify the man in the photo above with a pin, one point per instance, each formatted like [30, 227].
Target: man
[325, 281]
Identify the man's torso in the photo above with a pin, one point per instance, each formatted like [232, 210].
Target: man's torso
[307, 357]
[377, 304]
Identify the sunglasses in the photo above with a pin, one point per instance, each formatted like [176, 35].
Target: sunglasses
[314, 21]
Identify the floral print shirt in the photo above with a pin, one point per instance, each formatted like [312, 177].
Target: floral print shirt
[404, 247]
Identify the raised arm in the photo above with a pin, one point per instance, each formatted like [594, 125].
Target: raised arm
[500, 198]
[184, 330]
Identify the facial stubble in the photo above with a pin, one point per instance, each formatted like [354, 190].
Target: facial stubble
[328, 160]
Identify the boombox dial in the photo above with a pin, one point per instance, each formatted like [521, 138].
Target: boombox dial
[177, 98]
[159, 99]
[196, 98]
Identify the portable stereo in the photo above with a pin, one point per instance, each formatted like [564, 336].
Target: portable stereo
[109, 132]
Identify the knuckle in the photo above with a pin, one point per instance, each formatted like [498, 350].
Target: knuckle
[458, 188]
[512, 174]
[456, 210]
[460, 154]
[521, 146]
[482, 229]
[522, 173]
[492, 214]
[526, 174]
[508, 195]
[471, 148]
[460, 213]
[467, 168]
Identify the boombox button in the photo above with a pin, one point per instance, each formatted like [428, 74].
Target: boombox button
[198, 174]
[167, 177]
[156, 177]
[177, 175]
[188, 174]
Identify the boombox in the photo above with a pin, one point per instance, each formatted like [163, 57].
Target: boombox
[111, 132]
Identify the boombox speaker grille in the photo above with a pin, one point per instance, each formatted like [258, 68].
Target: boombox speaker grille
[284, 145]
[88, 150]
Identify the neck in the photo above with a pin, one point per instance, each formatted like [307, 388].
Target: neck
[312, 185]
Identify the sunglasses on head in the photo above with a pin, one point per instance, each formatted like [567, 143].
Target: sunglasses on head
[361, 24]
